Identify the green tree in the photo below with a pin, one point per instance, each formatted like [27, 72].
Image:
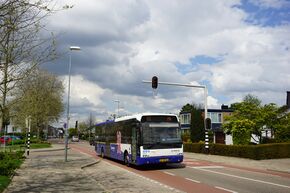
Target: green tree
[196, 123]
[72, 132]
[241, 130]
[38, 96]
[251, 117]
[245, 120]
[282, 125]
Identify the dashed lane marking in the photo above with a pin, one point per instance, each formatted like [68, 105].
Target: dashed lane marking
[240, 177]
[205, 167]
[169, 173]
[225, 189]
[193, 180]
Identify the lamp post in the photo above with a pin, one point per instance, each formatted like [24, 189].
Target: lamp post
[117, 101]
[72, 48]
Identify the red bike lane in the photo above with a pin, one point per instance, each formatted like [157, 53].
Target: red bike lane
[177, 182]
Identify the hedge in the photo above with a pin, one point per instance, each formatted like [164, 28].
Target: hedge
[9, 161]
[23, 141]
[257, 152]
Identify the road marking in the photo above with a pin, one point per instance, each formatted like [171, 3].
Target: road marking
[244, 178]
[193, 180]
[206, 167]
[225, 189]
[169, 173]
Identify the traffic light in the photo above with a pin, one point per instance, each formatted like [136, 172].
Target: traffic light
[76, 125]
[208, 124]
[154, 82]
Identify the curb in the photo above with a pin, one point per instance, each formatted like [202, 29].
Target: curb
[281, 171]
[45, 150]
[90, 164]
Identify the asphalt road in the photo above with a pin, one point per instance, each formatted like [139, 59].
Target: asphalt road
[200, 176]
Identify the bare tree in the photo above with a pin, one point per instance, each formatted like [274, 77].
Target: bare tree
[22, 44]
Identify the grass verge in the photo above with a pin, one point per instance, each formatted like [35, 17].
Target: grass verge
[23, 147]
[4, 182]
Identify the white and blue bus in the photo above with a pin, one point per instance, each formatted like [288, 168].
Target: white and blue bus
[141, 139]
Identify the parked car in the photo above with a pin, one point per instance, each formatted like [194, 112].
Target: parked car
[14, 137]
[5, 139]
[75, 139]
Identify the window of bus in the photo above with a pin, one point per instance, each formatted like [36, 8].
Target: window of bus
[161, 133]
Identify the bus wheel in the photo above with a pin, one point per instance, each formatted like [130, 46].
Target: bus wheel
[102, 153]
[126, 159]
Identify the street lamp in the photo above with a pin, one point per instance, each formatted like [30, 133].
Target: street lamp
[72, 48]
[117, 101]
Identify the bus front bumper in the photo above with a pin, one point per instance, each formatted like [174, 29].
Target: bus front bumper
[159, 160]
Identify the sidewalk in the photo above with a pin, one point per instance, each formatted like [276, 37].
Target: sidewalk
[280, 165]
[46, 171]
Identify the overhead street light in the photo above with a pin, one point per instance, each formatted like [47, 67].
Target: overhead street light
[117, 101]
[72, 48]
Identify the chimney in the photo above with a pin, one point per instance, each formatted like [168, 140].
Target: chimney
[288, 99]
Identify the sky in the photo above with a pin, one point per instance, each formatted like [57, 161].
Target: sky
[233, 47]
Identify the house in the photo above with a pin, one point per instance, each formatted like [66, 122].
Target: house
[217, 117]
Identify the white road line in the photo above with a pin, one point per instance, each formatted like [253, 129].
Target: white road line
[169, 173]
[225, 189]
[193, 180]
[206, 167]
[244, 178]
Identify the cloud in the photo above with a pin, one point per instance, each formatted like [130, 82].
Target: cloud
[125, 42]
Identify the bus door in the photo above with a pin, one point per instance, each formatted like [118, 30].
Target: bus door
[134, 144]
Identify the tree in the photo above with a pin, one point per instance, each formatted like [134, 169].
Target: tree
[21, 46]
[39, 96]
[281, 127]
[251, 117]
[197, 121]
[22, 43]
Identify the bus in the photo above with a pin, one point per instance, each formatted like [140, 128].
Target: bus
[141, 139]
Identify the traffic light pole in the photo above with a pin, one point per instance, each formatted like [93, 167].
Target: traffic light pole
[205, 103]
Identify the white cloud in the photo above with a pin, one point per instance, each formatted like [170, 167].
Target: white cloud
[125, 42]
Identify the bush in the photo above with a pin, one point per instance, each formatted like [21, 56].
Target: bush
[9, 162]
[24, 141]
[257, 152]
[193, 147]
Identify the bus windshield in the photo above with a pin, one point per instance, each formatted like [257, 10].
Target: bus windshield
[161, 133]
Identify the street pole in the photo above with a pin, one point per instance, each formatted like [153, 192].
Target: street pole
[68, 98]
[28, 125]
[117, 101]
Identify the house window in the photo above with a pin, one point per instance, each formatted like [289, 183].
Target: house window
[215, 117]
[185, 118]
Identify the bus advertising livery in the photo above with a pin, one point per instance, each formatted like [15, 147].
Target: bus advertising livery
[141, 139]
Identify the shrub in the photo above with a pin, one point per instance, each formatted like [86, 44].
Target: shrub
[193, 147]
[9, 162]
[257, 152]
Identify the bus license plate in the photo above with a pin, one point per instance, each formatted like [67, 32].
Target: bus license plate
[163, 160]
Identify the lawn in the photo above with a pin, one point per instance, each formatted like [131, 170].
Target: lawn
[4, 182]
[23, 147]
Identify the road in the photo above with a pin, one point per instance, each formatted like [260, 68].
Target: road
[203, 176]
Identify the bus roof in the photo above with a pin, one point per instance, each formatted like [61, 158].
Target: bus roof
[140, 115]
